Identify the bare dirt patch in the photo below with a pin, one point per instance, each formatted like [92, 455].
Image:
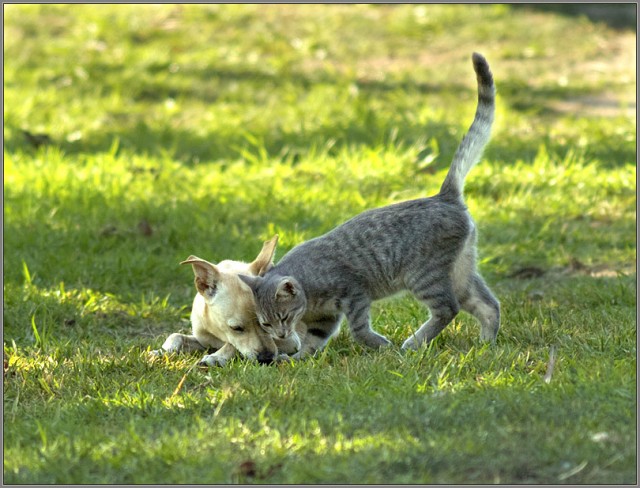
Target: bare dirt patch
[575, 267]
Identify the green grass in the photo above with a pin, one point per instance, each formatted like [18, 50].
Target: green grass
[205, 129]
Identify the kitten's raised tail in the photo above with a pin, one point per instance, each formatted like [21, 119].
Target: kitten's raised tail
[477, 137]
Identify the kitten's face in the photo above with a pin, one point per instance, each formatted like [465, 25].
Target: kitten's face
[280, 304]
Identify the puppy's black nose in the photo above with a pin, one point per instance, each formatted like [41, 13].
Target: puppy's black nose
[265, 357]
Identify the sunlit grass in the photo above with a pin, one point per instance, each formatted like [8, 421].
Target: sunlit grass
[205, 129]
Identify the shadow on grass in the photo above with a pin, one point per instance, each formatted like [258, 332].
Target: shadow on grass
[615, 15]
[113, 254]
[137, 135]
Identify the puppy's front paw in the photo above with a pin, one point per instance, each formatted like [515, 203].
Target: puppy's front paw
[174, 343]
[157, 352]
[212, 360]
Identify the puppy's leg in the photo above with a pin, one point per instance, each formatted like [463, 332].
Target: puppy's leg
[220, 357]
[179, 343]
[182, 343]
[207, 339]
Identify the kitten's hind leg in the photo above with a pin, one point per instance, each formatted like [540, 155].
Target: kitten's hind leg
[480, 302]
[442, 303]
[360, 323]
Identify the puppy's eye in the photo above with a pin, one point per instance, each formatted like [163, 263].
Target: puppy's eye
[237, 328]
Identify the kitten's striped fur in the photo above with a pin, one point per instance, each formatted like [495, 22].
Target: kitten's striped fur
[426, 246]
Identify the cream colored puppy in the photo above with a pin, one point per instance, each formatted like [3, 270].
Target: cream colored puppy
[223, 315]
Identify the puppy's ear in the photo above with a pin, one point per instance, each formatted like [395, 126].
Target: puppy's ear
[207, 275]
[287, 289]
[264, 261]
[251, 281]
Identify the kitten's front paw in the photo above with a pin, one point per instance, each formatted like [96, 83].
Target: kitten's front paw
[489, 335]
[412, 343]
[282, 358]
[212, 360]
[305, 354]
[289, 345]
[375, 341]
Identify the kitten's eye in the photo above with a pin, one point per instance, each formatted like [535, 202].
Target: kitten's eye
[237, 328]
[264, 324]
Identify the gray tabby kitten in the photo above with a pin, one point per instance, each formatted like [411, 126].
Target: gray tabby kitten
[426, 246]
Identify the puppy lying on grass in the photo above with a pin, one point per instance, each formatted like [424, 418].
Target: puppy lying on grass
[223, 315]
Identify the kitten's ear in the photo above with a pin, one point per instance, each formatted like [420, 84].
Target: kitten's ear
[207, 275]
[287, 289]
[264, 261]
[251, 281]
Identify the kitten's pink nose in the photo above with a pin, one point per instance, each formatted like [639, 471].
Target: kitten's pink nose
[283, 334]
